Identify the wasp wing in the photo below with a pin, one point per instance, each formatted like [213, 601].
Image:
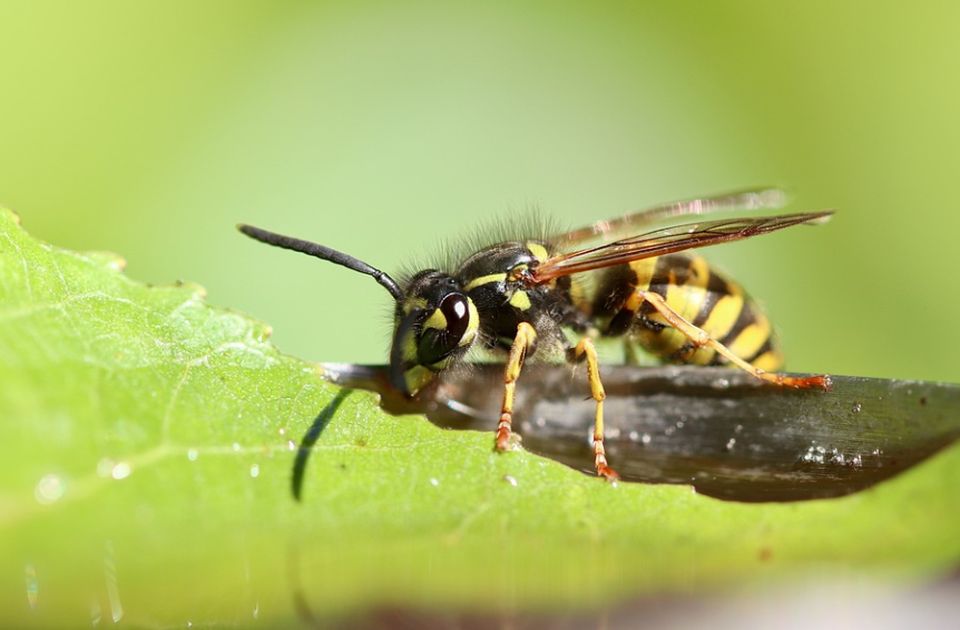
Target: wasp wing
[666, 241]
[748, 199]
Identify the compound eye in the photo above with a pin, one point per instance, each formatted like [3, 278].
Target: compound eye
[455, 310]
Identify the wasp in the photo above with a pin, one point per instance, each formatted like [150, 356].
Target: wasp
[558, 293]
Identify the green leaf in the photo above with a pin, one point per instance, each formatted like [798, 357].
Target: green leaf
[147, 448]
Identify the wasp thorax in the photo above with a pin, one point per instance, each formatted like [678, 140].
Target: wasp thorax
[436, 323]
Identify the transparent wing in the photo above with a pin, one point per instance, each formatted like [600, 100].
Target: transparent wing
[750, 199]
[668, 240]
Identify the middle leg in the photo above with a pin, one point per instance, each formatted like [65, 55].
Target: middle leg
[586, 350]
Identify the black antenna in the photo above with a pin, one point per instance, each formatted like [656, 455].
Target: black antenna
[319, 251]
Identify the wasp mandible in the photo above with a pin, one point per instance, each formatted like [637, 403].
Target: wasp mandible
[520, 295]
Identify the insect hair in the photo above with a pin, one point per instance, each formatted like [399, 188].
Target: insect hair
[529, 224]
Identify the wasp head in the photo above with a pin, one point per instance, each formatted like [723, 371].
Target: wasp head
[435, 324]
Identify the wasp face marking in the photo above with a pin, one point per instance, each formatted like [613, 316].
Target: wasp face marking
[436, 323]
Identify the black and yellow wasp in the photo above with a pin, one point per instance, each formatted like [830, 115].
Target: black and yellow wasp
[533, 292]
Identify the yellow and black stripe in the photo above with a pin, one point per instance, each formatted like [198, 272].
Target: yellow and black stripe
[698, 294]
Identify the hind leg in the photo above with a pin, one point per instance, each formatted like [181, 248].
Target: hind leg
[700, 338]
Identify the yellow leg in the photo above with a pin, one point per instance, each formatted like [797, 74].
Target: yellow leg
[585, 349]
[526, 337]
[699, 338]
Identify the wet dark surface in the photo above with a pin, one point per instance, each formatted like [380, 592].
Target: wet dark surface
[714, 428]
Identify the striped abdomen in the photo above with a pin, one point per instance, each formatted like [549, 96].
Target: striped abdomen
[698, 294]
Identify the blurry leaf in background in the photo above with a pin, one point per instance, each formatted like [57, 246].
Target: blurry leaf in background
[383, 129]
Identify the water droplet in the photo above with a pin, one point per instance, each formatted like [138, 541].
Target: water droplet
[877, 452]
[634, 436]
[646, 438]
[541, 422]
[613, 433]
[33, 585]
[236, 447]
[282, 431]
[857, 461]
[857, 407]
[192, 454]
[511, 480]
[721, 383]
[814, 454]
[255, 471]
[291, 445]
[121, 470]
[680, 424]
[50, 489]
[434, 482]
[737, 429]
[731, 443]
[670, 430]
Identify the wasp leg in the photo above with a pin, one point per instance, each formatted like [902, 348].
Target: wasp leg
[699, 338]
[585, 349]
[526, 337]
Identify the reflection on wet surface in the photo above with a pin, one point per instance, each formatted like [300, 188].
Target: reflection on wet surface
[713, 428]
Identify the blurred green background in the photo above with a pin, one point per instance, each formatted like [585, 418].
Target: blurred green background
[382, 128]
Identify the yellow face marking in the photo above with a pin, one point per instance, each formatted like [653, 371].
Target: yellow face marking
[520, 300]
[437, 320]
[751, 338]
[539, 251]
[473, 324]
[476, 282]
[416, 378]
